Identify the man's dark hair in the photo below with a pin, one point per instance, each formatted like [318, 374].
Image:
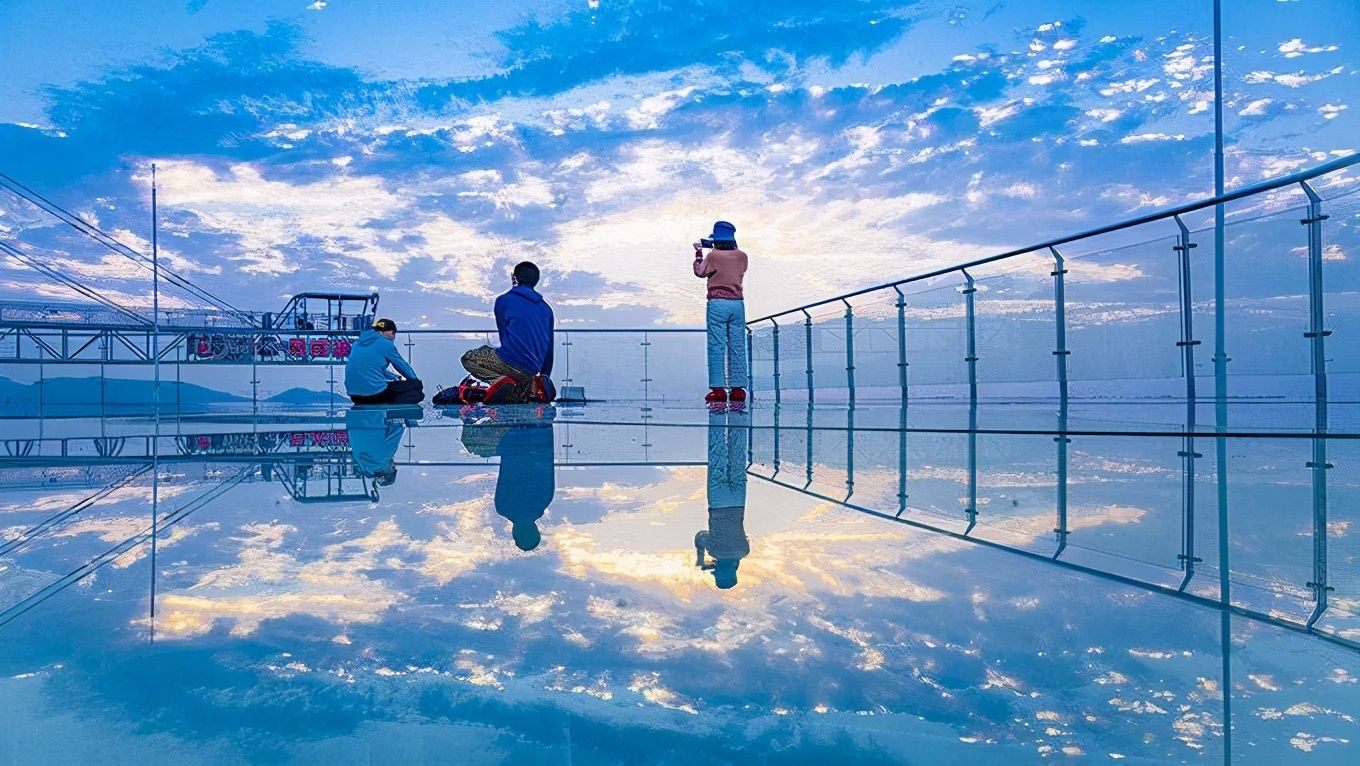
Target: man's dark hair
[526, 273]
[724, 244]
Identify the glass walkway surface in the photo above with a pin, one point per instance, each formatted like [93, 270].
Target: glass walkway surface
[586, 584]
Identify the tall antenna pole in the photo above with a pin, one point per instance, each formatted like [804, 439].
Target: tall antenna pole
[1221, 393]
[155, 389]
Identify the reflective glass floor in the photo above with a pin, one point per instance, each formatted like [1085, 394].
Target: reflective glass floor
[614, 583]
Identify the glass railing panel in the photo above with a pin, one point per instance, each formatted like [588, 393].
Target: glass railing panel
[1341, 277]
[936, 334]
[1123, 316]
[1016, 319]
[829, 363]
[877, 350]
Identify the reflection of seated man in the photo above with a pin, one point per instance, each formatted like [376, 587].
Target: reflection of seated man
[367, 379]
[725, 539]
[374, 440]
[525, 483]
[524, 322]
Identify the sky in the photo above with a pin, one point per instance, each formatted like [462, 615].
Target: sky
[421, 152]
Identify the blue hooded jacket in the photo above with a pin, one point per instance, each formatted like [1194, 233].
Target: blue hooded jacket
[366, 370]
[525, 323]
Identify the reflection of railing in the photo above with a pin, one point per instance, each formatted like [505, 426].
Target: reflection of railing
[1113, 513]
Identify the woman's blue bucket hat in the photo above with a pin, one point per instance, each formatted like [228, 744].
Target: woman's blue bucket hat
[724, 232]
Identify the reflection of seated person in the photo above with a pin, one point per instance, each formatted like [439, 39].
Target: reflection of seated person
[525, 483]
[367, 377]
[373, 441]
[725, 539]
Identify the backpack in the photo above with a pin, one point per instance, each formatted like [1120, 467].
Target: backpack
[503, 390]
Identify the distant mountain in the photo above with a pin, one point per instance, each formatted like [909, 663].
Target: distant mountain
[81, 397]
[302, 396]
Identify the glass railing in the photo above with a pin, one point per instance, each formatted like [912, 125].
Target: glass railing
[1126, 310]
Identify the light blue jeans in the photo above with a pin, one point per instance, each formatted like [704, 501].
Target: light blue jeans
[726, 343]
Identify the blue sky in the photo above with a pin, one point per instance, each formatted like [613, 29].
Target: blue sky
[422, 152]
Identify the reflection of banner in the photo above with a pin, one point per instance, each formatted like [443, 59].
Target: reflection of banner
[319, 439]
[228, 348]
[260, 443]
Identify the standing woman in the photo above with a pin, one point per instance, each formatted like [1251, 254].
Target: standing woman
[724, 267]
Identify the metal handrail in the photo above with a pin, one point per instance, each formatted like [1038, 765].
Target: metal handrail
[1249, 190]
[85, 327]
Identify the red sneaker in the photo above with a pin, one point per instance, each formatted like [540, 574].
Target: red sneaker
[715, 395]
[738, 395]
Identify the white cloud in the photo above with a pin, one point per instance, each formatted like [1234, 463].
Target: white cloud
[1182, 65]
[1143, 138]
[1295, 48]
[1289, 80]
[1104, 115]
[648, 112]
[1256, 108]
[1134, 85]
[1330, 111]
[272, 217]
[343, 216]
[988, 116]
[527, 190]
[1065, 44]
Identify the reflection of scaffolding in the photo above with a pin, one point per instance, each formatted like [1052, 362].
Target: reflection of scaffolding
[322, 480]
[136, 448]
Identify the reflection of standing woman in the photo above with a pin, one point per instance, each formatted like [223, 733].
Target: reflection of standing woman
[725, 539]
[724, 267]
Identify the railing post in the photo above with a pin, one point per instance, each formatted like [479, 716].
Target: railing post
[776, 441]
[1317, 336]
[566, 357]
[807, 333]
[809, 445]
[750, 362]
[775, 322]
[901, 461]
[254, 378]
[969, 293]
[646, 381]
[1060, 354]
[902, 409]
[1187, 454]
[901, 342]
[849, 350]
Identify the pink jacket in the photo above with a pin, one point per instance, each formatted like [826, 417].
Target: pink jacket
[724, 270]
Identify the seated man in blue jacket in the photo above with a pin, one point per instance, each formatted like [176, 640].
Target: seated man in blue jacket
[525, 324]
[367, 379]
